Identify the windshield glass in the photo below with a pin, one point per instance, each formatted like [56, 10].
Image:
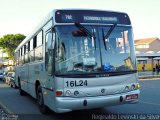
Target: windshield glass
[78, 52]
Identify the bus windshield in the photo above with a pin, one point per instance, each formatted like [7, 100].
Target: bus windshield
[77, 52]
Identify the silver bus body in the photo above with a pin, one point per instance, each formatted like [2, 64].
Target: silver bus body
[85, 82]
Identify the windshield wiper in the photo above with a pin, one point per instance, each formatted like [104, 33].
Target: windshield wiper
[91, 35]
[110, 31]
[108, 34]
[103, 37]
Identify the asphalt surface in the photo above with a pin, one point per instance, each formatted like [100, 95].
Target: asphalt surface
[26, 107]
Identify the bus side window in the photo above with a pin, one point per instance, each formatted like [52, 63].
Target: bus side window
[39, 47]
[31, 54]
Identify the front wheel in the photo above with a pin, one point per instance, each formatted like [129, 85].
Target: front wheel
[43, 108]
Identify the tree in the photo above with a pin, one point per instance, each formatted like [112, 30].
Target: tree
[9, 43]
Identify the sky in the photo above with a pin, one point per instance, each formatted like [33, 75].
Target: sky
[22, 16]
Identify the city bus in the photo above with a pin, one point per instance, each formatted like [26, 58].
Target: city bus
[79, 59]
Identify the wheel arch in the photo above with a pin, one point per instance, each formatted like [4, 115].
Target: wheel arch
[37, 83]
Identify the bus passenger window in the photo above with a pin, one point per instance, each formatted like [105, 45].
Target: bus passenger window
[39, 38]
[39, 47]
[31, 54]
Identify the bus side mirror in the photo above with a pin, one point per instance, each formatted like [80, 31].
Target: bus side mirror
[51, 41]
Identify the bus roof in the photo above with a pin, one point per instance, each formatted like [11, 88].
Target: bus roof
[83, 16]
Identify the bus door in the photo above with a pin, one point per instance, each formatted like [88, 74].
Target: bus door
[49, 43]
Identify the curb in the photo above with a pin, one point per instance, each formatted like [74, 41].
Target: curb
[6, 110]
[150, 77]
[6, 114]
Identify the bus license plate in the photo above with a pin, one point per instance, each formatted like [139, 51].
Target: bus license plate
[131, 97]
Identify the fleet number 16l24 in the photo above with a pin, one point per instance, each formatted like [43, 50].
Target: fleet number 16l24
[75, 83]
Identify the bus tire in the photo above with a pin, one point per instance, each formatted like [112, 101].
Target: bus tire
[42, 107]
[21, 92]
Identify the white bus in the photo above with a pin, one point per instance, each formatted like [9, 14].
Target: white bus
[79, 59]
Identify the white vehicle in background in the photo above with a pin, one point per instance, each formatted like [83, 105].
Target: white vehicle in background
[8, 77]
[12, 81]
[79, 59]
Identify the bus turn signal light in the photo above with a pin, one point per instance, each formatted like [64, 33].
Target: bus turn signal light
[138, 86]
[58, 93]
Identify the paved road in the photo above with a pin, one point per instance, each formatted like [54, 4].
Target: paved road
[26, 107]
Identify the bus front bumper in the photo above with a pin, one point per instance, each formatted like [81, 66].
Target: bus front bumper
[67, 104]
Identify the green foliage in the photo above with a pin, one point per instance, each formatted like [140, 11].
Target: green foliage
[9, 43]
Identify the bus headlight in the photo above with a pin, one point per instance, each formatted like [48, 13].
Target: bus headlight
[68, 93]
[127, 88]
[133, 87]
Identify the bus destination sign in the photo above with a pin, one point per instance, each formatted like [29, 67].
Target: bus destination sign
[70, 18]
[99, 19]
